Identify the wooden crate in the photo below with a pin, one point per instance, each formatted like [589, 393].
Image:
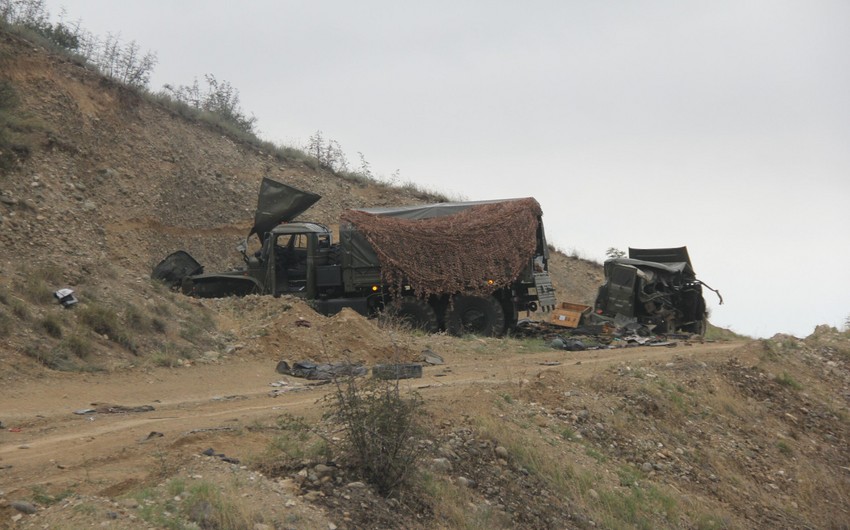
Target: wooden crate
[569, 315]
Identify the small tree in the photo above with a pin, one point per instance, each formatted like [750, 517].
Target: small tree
[328, 153]
[219, 98]
[614, 252]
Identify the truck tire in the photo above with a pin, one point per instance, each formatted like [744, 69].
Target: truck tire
[475, 314]
[415, 312]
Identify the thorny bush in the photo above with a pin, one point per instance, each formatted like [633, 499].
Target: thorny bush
[381, 427]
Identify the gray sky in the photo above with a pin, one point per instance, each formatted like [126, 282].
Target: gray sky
[723, 125]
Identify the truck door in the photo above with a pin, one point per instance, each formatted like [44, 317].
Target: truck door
[621, 291]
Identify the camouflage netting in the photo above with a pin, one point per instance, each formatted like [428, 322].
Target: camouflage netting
[454, 253]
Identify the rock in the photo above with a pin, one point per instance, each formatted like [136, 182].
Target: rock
[465, 482]
[593, 494]
[358, 485]
[129, 503]
[313, 495]
[24, 507]
[441, 465]
[430, 357]
[501, 452]
[202, 513]
[646, 467]
[324, 471]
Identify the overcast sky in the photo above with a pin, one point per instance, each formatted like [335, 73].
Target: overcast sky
[723, 125]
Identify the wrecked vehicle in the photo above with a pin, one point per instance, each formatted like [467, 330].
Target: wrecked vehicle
[460, 266]
[656, 287]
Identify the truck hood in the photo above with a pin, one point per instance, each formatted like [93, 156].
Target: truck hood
[278, 203]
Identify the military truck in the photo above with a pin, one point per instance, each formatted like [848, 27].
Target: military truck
[465, 267]
[658, 288]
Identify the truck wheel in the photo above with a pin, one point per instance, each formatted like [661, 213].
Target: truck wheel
[475, 314]
[415, 312]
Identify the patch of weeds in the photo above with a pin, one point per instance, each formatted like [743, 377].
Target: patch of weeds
[208, 508]
[164, 359]
[5, 324]
[568, 434]
[159, 325]
[36, 286]
[126, 340]
[100, 319]
[784, 448]
[77, 345]
[20, 309]
[295, 443]
[162, 309]
[710, 521]
[53, 359]
[103, 320]
[41, 496]
[136, 319]
[451, 505]
[508, 398]
[639, 508]
[596, 455]
[198, 325]
[85, 509]
[176, 487]
[628, 476]
[52, 325]
[786, 380]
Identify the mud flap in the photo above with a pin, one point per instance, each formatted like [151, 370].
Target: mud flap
[545, 291]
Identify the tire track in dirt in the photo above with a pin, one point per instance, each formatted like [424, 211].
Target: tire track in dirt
[112, 446]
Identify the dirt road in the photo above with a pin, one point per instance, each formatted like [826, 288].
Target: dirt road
[46, 442]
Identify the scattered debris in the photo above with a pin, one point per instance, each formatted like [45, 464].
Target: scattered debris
[105, 408]
[221, 456]
[397, 371]
[66, 297]
[311, 370]
[152, 435]
[235, 397]
[429, 357]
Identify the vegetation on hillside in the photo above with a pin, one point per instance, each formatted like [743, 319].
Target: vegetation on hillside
[217, 103]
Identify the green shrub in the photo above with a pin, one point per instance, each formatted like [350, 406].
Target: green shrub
[786, 380]
[77, 345]
[381, 427]
[5, 324]
[52, 325]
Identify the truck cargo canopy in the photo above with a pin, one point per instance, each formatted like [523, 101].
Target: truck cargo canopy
[473, 247]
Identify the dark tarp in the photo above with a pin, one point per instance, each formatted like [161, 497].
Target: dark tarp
[278, 203]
